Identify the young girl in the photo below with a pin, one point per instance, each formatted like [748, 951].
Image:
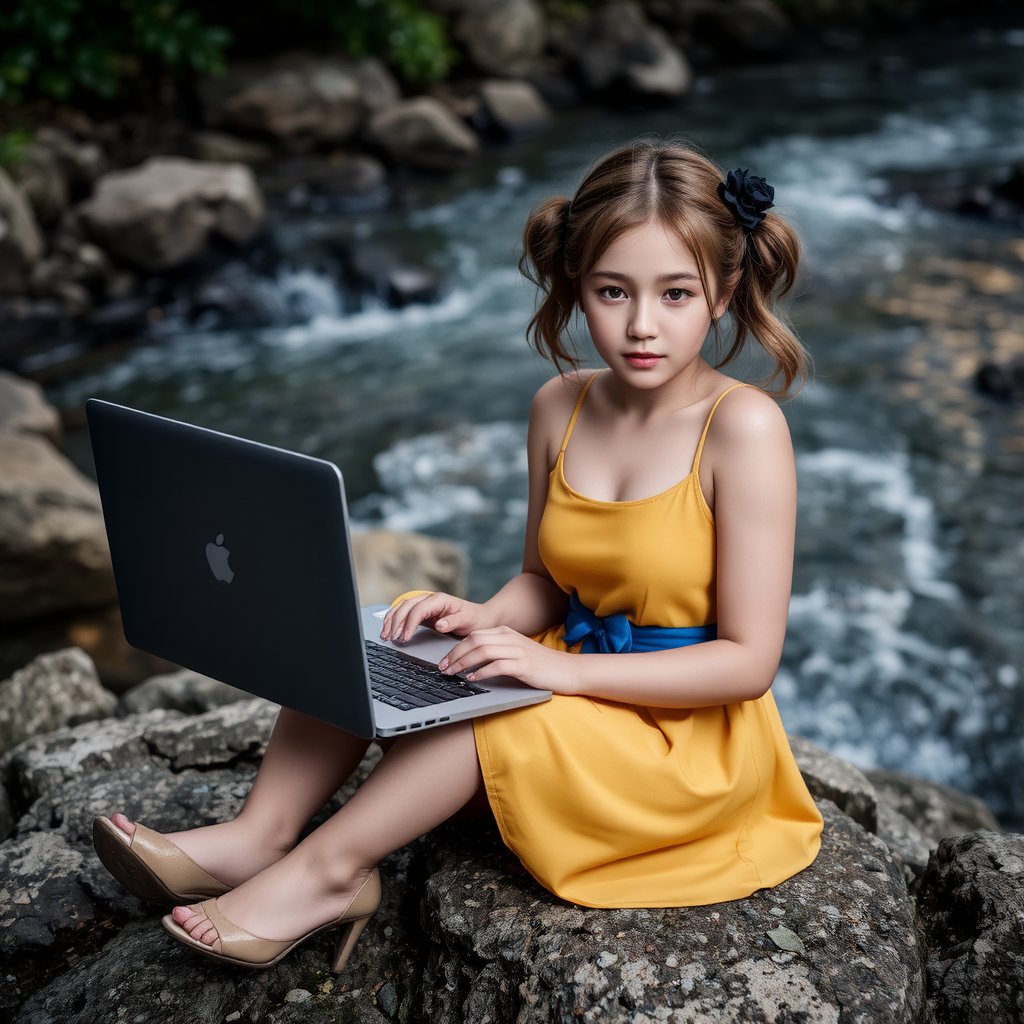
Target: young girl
[660, 776]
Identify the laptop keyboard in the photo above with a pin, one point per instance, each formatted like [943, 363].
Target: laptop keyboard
[406, 682]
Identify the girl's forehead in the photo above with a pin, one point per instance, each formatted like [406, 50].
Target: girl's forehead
[651, 241]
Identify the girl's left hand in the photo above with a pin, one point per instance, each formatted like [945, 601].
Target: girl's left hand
[501, 651]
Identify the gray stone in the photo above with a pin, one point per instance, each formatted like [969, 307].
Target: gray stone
[53, 546]
[298, 96]
[621, 55]
[971, 906]
[25, 410]
[53, 690]
[165, 212]
[935, 809]
[501, 37]
[184, 690]
[831, 778]
[504, 948]
[221, 148]
[21, 244]
[389, 563]
[422, 132]
[514, 108]
[906, 842]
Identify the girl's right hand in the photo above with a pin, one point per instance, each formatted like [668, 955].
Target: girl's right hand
[433, 608]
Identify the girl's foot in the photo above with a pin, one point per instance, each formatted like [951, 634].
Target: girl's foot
[230, 850]
[290, 898]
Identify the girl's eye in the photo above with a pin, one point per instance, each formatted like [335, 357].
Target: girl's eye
[677, 294]
[611, 291]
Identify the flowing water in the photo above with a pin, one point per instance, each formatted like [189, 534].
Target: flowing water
[906, 628]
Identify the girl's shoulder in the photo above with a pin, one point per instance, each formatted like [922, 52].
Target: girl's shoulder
[561, 391]
[745, 417]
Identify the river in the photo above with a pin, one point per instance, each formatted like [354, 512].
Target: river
[907, 618]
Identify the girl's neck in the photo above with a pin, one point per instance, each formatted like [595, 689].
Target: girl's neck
[673, 396]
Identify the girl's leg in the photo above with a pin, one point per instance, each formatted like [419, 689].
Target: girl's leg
[420, 782]
[305, 763]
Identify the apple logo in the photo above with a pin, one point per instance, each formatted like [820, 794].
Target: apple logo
[217, 555]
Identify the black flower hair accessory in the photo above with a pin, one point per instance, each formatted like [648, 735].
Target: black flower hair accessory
[748, 196]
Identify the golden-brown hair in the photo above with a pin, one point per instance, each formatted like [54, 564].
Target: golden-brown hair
[673, 183]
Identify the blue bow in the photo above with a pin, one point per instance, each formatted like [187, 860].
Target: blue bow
[615, 634]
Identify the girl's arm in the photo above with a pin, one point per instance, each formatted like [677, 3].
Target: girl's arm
[751, 454]
[530, 602]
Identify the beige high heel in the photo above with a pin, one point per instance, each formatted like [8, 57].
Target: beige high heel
[235, 945]
[152, 867]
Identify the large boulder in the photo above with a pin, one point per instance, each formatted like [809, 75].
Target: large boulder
[21, 244]
[463, 934]
[620, 55]
[53, 547]
[422, 132]
[500, 37]
[388, 563]
[167, 211]
[291, 98]
[971, 906]
[52, 691]
[512, 108]
[25, 410]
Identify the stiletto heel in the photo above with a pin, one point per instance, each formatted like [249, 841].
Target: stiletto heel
[349, 936]
[235, 945]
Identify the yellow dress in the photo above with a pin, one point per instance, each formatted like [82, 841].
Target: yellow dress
[616, 805]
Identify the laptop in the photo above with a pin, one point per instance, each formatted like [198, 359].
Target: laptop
[234, 559]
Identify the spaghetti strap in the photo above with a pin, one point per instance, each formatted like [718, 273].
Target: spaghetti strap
[707, 423]
[576, 411]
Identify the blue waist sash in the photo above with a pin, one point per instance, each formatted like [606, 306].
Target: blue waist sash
[615, 634]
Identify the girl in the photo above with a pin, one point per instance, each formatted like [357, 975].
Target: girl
[659, 777]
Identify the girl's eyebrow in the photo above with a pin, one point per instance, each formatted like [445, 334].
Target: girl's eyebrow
[614, 275]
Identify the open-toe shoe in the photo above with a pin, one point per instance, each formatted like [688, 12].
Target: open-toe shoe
[152, 867]
[235, 945]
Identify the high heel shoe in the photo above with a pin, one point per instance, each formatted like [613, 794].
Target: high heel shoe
[235, 945]
[152, 867]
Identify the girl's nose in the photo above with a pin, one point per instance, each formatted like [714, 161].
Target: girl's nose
[641, 323]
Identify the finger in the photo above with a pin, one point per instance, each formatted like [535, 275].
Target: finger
[425, 611]
[399, 616]
[475, 655]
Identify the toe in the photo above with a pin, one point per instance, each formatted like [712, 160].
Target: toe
[121, 822]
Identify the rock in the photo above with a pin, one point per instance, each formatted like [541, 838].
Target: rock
[167, 211]
[295, 96]
[422, 133]
[513, 108]
[936, 810]
[831, 778]
[500, 37]
[344, 180]
[1002, 380]
[908, 845]
[21, 244]
[24, 410]
[52, 691]
[504, 949]
[53, 546]
[184, 691]
[622, 57]
[389, 563]
[221, 148]
[377, 271]
[971, 906]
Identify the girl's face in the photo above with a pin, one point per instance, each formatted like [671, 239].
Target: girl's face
[645, 307]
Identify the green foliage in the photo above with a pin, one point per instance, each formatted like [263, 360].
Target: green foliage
[12, 147]
[61, 48]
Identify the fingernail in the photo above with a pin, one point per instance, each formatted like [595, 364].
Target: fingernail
[443, 663]
[442, 623]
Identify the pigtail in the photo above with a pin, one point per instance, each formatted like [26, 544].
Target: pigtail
[545, 241]
[768, 272]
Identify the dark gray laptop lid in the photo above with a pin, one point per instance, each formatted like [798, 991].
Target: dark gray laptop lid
[232, 558]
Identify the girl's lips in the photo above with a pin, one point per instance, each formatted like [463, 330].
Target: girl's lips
[642, 358]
